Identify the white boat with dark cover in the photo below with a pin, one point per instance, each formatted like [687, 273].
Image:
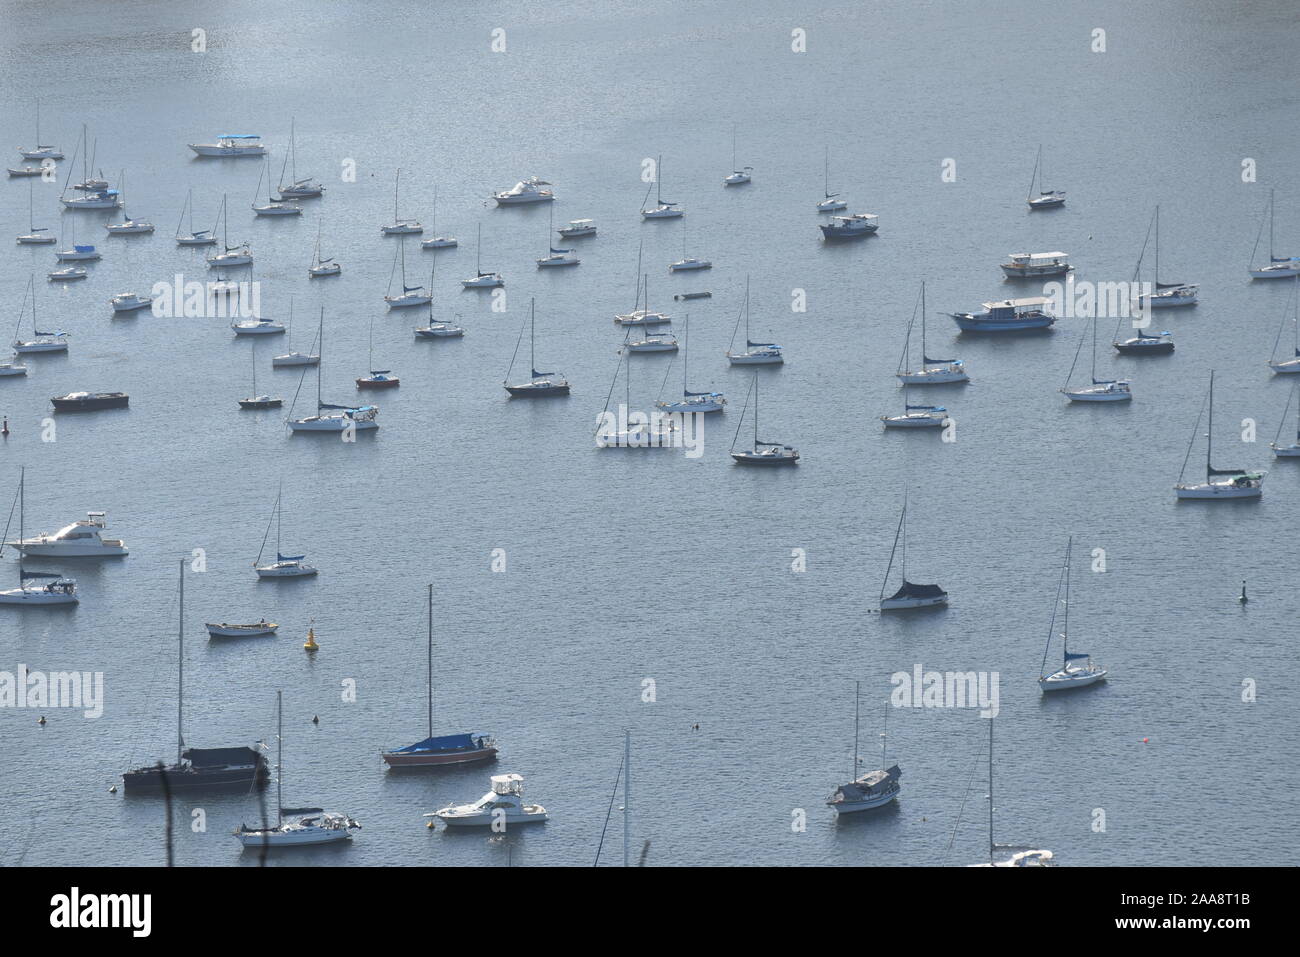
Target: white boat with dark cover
[34, 588]
[1278, 267]
[662, 209]
[931, 371]
[1046, 198]
[226, 630]
[909, 594]
[761, 453]
[543, 385]
[231, 144]
[756, 353]
[853, 226]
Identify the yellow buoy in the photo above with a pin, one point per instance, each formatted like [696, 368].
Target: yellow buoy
[310, 643]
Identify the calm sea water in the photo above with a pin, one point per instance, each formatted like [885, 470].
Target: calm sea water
[626, 566]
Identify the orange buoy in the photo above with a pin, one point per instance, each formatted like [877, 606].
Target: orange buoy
[310, 643]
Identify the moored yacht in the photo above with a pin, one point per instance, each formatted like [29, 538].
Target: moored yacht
[909, 594]
[663, 209]
[1077, 669]
[1007, 315]
[761, 453]
[931, 371]
[1288, 365]
[284, 566]
[130, 302]
[1219, 484]
[873, 789]
[917, 417]
[1101, 390]
[756, 353]
[501, 807]
[831, 203]
[1278, 267]
[482, 280]
[1293, 450]
[81, 539]
[578, 228]
[1036, 265]
[399, 226]
[35, 588]
[253, 630]
[542, 384]
[692, 401]
[853, 226]
[231, 144]
[531, 190]
[1046, 198]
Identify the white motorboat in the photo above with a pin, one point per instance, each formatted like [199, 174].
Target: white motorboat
[1036, 265]
[284, 566]
[330, 417]
[1278, 267]
[482, 280]
[231, 144]
[931, 371]
[257, 327]
[37, 236]
[761, 453]
[663, 209]
[692, 401]
[1101, 390]
[831, 203]
[873, 789]
[756, 353]
[578, 228]
[399, 226]
[36, 588]
[255, 629]
[305, 825]
[542, 385]
[501, 807]
[853, 226]
[531, 190]
[909, 594]
[81, 539]
[1293, 450]
[27, 171]
[1219, 484]
[39, 151]
[1046, 198]
[1077, 669]
[410, 295]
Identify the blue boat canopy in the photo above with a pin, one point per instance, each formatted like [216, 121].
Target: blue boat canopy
[1069, 656]
[289, 558]
[239, 136]
[445, 743]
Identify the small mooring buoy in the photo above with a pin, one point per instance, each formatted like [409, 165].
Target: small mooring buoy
[1242, 598]
[5, 431]
[310, 643]
[315, 719]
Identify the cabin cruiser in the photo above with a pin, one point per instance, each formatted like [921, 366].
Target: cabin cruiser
[231, 144]
[12, 367]
[1007, 315]
[530, 190]
[504, 803]
[1035, 265]
[654, 342]
[130, 302]
[233, 256]
[643, 317]
[81, 539]
[854, 226]
[257, 327]
[871, 790]
[690, 263]
[578, 228]
[94, 199]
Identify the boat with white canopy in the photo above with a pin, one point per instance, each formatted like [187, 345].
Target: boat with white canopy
[1036, 265]
[501, 807]
[232, 145]
[525, 192]
[1007, 315]
[81, 539]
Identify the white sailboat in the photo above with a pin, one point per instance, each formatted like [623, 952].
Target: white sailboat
[306, 188]
[256, 400]
[129, 226]
[306, 825]
[399, 226]
[34, 588]
[756, 353]
[640, 316]
[77, 252]
[1293, 450]
[909, 594]
[931, 371]
[438, 242]
[40, 151]
[272, 207]
[36, 235]
[760, 453]
[688, 263]
[201, 237]
[410, 295]
[482, 280]
[663, 209]
[56, 341]
[284, 566]
[437, 330]
[1291, 364]
[95, 192]
[1168, 295]
[692, 401]
[294, 358]
[330, 417]
[319, 267]
[557, 257]
[875, 788]
[831, 203]
[738, 175]
[1101, 390]
[631, 430]
[1025, 857]
[1046, 198]
[1077, 669]
[1278, 267]
[1230, 483]
[239, 255]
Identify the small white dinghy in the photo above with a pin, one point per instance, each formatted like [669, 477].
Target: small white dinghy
[499, 808]
[224, 630]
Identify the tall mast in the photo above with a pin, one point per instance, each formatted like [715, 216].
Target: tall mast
[532, 335]
[755, 411]
[22, 495]
[1270, 226]
[924, 360]
[320, 358]
[431, 659]
[884, 737]
[991, 844]
[180, 670]
[627, 797]
[279, 769]
[902, 527]
[659, 169]
[1158, 248]
[686, 345]
[857, 697]
[1065, 624]
[1209, 437]
[278, 514]
[396, 180]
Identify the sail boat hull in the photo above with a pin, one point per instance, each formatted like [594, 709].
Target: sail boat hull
[332, 423]
[940, 376]
[899, 604]
[286, 570]
[1068, 678]
[35, 596]
[1285, 270]
[1218, 490]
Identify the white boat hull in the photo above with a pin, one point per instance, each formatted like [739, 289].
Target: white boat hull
[1216, 490]
[72, 550]
[1280, 271]
[285, 570]
[294, 359]
[1097, 394]
[1290, 366]
[211, 149]
[754, 359]
[401, 229]
[1071, 678]
[34, 596]
[911, 422]
[296, 838]
[1285, 451]
[440, 242]
[331, 423]
[452, 819]
[317, 272]
[897, 604]
[932, 377]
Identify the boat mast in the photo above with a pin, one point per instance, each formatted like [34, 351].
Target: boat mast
[924, 360]
[320, 340]
[532, 336]
[659, 168]
[1157, 274]
[180, 666]
[1065, 623]
[279, 768]
[755, 411]
[1034, 175]
[686, 344]
[991, 844]
[431, 659]
[884, 737]
[1209, 436]
[857, 699]
[396, 181]
[627, 798]
[897, 534]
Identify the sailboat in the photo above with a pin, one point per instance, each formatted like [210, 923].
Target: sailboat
[917, 417]
[542, 384]
[437, 330]
[909, 594]
[629, 429]
[36, 236]
[239, 255]
[255, 401]
[875, 788]
[756, 353]
[688, 263]
[202, 237]
[438, 242]
[1293, 450]
[410, 295]
[56, 341]
[692, 401]
[1142, 343]
[1036, 857]
[306, 188]
[293, 358]
[308, 825]
[128, 226]
[1101, 390]
[932, 371]
[320, 268]
[662, 209]
[1291, 364]
[1168, 294]
[272, 207]
[642, 316]
[196, 769]
[77, 252]
[339, 418]
[1077, 669]
[558, 257]
[1046, 198]
[831, 204]
[1279, 267]
[95, 192]
[378, 378]
[399, 226]
[657, 341]
[482, 280]
[54, 589]
[760, 453]
[1234, 484]
[738, 175]
[284, 566]
[446, 749]
[40, 151]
